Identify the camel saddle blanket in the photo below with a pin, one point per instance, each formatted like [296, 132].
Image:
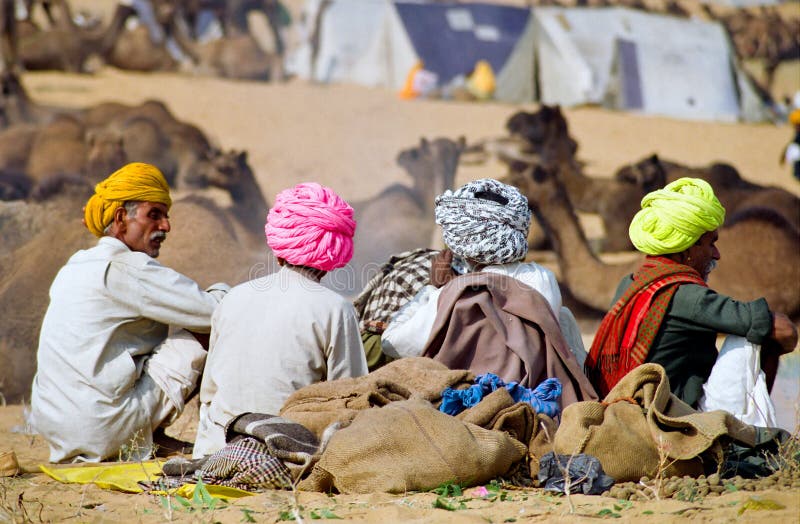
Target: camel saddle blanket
[640, 427]
[397, 282]
[491, 323]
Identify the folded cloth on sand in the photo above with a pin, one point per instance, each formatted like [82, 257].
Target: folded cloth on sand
[129, 478]
[543, 398]
[246, 464]
[319, 405]
[284, 439]
[640, 418]
[411, 446]
[491, 323]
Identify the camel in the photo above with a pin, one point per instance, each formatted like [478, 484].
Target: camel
[237, 56]
[135, 51]
[734, 192]
[616, 201]
[400, 218]
[58, 149]
[151, 133]
[760, 250]
[231, 172]
[15, 147]
[16, 107]
[14, 185]
[68, 48]
[618, 198]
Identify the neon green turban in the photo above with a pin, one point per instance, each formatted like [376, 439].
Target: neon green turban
[674, 218]
[135, 181]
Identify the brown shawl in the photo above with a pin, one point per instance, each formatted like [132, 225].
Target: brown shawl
[490, 323]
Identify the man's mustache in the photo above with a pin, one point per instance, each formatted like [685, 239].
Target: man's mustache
[158, 235]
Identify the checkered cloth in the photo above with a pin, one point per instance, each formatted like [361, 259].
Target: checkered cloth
[246, 464]
[395, 284]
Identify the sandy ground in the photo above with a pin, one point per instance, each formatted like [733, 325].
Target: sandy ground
[44, 500]
[347, 137]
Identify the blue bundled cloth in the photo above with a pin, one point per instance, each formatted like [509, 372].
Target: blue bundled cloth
[543, 398]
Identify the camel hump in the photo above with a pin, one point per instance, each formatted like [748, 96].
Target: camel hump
[764, 215]
[62, 185]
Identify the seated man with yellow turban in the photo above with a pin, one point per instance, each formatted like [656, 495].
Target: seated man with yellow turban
[274, 335]
[108, 374]
[665, 312]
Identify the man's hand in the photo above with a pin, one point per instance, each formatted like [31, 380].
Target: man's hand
[784, 332]
[441, 269]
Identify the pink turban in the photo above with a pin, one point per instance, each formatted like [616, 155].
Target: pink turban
[310, 225]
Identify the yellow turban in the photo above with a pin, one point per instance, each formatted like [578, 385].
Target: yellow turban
[674, 218]
[133, 182]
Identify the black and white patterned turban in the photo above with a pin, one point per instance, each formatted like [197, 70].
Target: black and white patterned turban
[486, 221]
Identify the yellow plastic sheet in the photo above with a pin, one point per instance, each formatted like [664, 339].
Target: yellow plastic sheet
[126, 477]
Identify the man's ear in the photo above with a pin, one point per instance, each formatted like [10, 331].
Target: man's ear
[120, 214]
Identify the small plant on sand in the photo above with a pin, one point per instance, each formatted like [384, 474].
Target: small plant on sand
[787, 457]
[654, 489]
[202, 501]
[16, 511]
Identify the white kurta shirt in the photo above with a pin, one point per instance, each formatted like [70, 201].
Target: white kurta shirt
[270, 337]
[110, 307]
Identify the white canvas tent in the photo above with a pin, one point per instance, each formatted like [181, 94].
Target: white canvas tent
[631, 60]
[377, 42]
[621, 58]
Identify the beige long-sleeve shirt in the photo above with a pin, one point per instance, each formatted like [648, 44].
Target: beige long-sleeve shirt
[110, 307]
[270, 337]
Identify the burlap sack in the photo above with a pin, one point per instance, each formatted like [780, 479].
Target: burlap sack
[411, 446]
[641, 427]
[541, 441]
[499, 412]
[9, 466]
[318, 405]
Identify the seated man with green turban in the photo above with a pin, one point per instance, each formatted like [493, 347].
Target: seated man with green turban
[665, 312]
[108, 375]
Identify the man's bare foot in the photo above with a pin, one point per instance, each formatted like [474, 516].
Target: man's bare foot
[165, 445]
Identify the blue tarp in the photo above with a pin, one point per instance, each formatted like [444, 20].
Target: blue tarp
[451, 38]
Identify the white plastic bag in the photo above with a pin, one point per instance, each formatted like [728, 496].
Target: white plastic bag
[738, 385]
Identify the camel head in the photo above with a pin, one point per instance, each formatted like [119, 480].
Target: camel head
[649, 174]
[225, 170]
[432, 165]
[538, 182]
[14, 186]
[546, 126]
[106, 153]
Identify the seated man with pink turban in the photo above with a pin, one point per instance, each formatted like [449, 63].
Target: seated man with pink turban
[274, 335]
[108, 375]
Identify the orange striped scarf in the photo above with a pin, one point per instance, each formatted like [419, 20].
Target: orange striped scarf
[624, 338]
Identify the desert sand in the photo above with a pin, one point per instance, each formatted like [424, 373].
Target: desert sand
[347, 137]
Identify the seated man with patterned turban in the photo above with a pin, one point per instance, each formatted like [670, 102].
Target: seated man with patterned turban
[485, 227]
[665, 312]
[274, 335]
[108, 374]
